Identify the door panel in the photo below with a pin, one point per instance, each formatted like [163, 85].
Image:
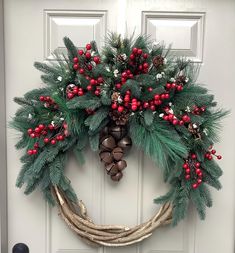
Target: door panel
[35, 28]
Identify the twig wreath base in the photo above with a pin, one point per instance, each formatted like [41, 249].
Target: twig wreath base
[108, 235]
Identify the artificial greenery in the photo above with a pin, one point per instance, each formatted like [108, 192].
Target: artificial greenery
[70, 121]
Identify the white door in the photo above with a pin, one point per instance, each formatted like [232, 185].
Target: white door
[204, 31]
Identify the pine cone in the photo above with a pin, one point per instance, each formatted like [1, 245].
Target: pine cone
[158, 61]
[181, 80]
[120, 118]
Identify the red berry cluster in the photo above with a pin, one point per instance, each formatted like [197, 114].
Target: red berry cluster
[174, 86]
[212, 152]
[49, 102]
[171, 117]
[135, 104]
[138, 59]
[192, 169]
[198, 110]
[86, 65]
[41, 131]
[127, 74]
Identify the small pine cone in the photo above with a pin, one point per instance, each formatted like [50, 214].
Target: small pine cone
[115, 96]
[158, 61]
[121, 58]
[120, 118]
[180, 80]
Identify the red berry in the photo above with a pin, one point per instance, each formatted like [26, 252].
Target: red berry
[195, 185]
[131, 76]
[120, 108]
[89, 87]
[139, 51]
[127, 98]
[37, 130]
[146, 105]
[167, 96]
[88, 55]
[187, 170]
[32, 135]
[134, 107]
[75, 66]
[92, 82]
[118, 85]
[124, 75]
[51, 127]
[97, 92]
[53, 141]
[179, 88]
[100, 79]
[219, 157]
[186, 118]
[41, 98]
[30, 130]
[157, 97]
[132, 56]
[193, 156]
[152, 107]
[34, 151]
[36, 145]
[197, 164]
[70, 95]
[173, 85]
[166, 117]
[168, 86]
[140, 67]
[88, 46]
[163, 96]
[171, 117]
[145, 65]
[181, 123]
[75, 60]
[209, 157]
[114, 106]
[175, 122]
[80, 93]
[44, 132]
[134, 50]
[185, 166]
[198, 171]
[199, 181]
[150, 89]
[89, 67]
[145, 56]
[213, 151]
[30, 152]
[187, 177]
[81, 71]
[41, 126]
[96, 59]
[157, 102]
[61, 137]
[80, 52]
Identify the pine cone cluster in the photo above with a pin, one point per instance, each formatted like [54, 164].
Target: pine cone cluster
[114, 142]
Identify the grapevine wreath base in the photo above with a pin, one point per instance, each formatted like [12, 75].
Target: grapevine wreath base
[132, 93]
[108, 235]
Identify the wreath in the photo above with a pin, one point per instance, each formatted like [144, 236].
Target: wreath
[137, 92]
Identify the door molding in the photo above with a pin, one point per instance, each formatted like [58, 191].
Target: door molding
[3, 165]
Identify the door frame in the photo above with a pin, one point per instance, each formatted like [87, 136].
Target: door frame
[3, 148]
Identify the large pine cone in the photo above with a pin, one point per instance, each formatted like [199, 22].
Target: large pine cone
[113, 144]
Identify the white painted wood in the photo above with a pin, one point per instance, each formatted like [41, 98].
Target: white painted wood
[3, 166]
[33, 29]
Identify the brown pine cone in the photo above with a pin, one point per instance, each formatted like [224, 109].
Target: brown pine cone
[180, 79]
[120, 118]
[158, 61]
